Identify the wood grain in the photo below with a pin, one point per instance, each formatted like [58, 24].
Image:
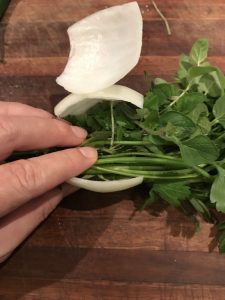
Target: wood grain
[100, 246]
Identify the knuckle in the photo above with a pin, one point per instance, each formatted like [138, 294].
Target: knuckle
[28, 177]
[7, 130]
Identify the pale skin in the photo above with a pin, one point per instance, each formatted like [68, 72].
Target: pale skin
[29, 189]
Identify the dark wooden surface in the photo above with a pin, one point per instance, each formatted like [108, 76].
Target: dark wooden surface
[96, 246]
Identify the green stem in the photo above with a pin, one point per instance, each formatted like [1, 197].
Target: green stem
[112, 125]
[177, 98]
[127, 143]
[140, 170]
[175, 160]
[147, 154]
[153, 178]
[202, 172]
[140, 160]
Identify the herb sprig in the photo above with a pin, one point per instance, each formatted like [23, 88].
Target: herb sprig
[176, 142]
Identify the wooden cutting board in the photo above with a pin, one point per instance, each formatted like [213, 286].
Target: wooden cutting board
[99, 246]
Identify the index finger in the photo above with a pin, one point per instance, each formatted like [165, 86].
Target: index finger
[19, 133]
[23, 180]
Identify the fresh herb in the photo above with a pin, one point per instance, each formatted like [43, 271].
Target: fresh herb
[176, 141]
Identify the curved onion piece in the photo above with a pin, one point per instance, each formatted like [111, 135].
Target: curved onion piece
[104, 47]
[78, 104]
[105, 186]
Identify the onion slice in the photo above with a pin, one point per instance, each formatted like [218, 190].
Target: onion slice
[105, 186]
[104, 47]
[78, 104]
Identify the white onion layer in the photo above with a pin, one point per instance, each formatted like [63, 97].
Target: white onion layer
[78, 104]
[106, 186]
[104, 47]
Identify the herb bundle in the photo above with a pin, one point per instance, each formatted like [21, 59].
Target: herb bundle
[176, 142]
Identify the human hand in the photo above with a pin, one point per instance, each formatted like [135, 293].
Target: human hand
[28, 188]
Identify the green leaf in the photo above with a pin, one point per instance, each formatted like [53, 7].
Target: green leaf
[165, 92]
[119, 133]
[200, 111]
[150, 200]
[219, 110]
[184, 125]
[198, 150]
[151, 121]
[208, 85]
[99, 117]
[151, 101]
[218, 76]
[172, 131]
[200, 207]
[155, 139]
[173, 193]
[93, 125]
[76, 120]
[204, 125]
[128, 111]
[184, 66]
[199, 51]
[220, 79]
[189, 102]
[134, 135]
[158, 81]
[220, 226]
[142, 112]
[221, 242]
[167, 89]
[121, 119]
[195, 72]
[217, 193]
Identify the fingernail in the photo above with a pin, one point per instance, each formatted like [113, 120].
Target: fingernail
[79, 132]
[88, 152]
